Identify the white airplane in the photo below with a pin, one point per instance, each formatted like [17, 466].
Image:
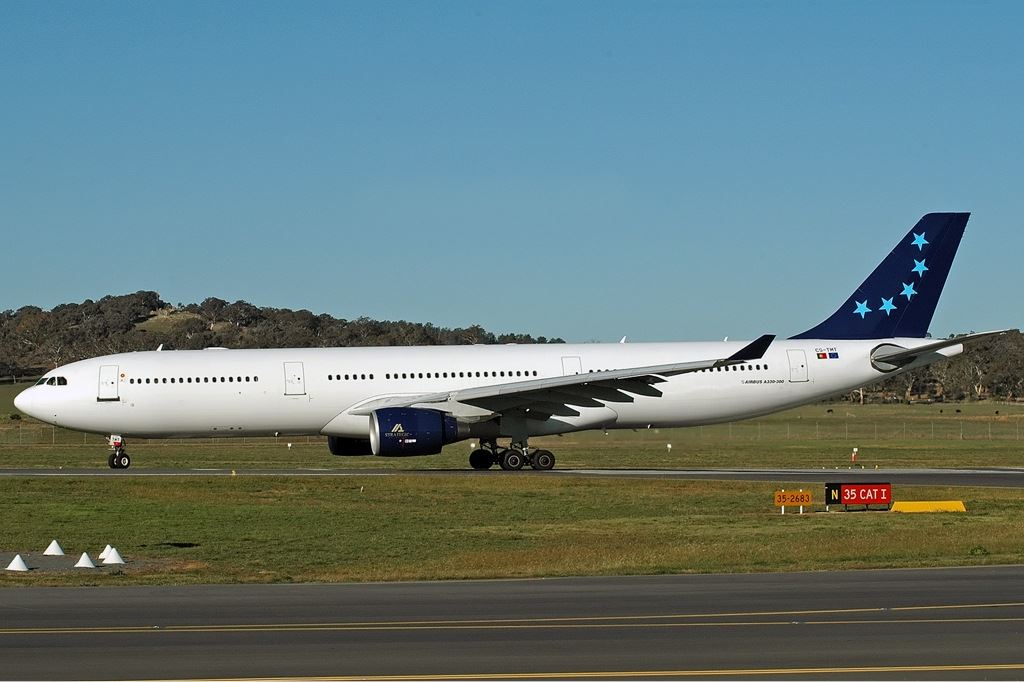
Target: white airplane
[403, 401]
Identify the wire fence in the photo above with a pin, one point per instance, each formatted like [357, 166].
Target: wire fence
[865, 430]
[974, 429]
[33, 434]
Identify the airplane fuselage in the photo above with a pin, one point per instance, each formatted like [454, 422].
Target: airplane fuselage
[311, 391]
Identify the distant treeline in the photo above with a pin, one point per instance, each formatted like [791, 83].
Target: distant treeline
[33, 341]
[992, 368]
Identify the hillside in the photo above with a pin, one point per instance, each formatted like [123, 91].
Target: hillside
[33, 340]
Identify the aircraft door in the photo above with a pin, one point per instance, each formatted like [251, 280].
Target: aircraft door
[108, 383]
[571, 365]
[797, 365]
[294, 379]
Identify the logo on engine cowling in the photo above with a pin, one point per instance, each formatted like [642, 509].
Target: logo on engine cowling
[398, 431]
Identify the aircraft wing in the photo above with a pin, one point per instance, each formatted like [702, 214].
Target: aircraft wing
[896, 356]
[543, 398]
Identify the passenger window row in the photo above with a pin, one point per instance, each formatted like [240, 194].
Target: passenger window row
[62, 381]
[197, 380]
[434, 375]
[462, 375]
[737, 368]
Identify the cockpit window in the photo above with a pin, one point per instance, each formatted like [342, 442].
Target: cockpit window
[62, 381]
[52, 381]
[41, 381]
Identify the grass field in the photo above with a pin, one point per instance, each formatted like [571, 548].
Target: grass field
[278, 529]
[283, 529]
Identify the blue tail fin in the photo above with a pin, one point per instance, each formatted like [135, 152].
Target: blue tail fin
[899, 297]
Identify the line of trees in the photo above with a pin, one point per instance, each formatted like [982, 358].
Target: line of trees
[33, 340]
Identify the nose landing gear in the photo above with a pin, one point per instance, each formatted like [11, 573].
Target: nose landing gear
[118, 458]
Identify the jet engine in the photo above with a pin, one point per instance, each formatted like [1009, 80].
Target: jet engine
[407, 431]
[349, 447]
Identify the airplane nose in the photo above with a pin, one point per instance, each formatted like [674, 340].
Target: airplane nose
[23, 402]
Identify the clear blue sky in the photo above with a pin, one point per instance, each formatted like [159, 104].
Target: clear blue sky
[678, 170]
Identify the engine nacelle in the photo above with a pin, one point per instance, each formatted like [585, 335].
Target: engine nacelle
[349, 447]
[407, 431]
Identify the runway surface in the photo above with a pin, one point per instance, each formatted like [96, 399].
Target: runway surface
[998, 478]
[994, 477]
[899, 624]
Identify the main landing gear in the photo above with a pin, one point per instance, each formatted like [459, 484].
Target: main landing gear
[118, 458]
[513, 458]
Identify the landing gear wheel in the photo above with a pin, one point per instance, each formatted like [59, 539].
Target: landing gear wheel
[542, 460]
[481, 459]
[512, 460]
[119, 459]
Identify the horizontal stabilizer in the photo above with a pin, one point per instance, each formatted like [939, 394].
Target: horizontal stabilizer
[890, 356]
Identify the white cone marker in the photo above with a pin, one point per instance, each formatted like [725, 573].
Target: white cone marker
[85, 561]
[53, 549]
[113, 557]
[105, 552]
[17, 564]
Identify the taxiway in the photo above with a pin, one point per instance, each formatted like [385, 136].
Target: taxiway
[885, 624]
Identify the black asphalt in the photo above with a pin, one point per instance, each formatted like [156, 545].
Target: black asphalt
[993, 478]
[989, 477]
[965, 623]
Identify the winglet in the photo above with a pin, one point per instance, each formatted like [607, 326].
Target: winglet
[754, 350]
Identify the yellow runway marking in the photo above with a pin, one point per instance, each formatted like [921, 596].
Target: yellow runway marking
[733, 619]
[622, 674]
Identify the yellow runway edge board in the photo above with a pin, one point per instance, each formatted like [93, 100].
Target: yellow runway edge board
[935, 506]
